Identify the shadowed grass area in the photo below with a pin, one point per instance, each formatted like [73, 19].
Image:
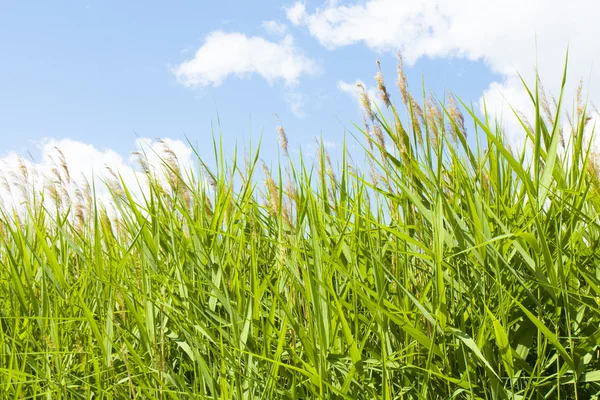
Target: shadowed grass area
[448, 270]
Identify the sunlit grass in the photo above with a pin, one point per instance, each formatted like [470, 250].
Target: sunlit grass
[446, 270]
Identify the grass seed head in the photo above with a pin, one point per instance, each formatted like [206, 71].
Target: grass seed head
[365, 101]
[273, 193]
[5, 183]
[400, 133]
[291, 193]
[373, 172]
[209, 178]
[54, 194]
[417, 117]
[402, 81]
[114, 183]
[545, 104]
[23, 168]
[172, 169]
[142, 161]
[456, 116]
[433, 116]
[367, 133]
[283, 139]
[63, 164]
[383, 93]
[79, 217]
[87, 193]
[57, 176]
[378, 133]
[593, 169]
[579, 99]
[330, 171]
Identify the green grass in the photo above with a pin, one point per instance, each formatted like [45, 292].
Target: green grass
[447, 270]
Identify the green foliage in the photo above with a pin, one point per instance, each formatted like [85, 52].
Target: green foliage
[447, 271]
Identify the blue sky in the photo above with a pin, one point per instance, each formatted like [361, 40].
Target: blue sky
[104, 73]
[100, 72]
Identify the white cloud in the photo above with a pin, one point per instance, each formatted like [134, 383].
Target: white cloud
[509, 36]
[275, 27]
[224, 54]
[297, 101]
[22, 178]
[436, 28]
[296, 13]
[498, 100]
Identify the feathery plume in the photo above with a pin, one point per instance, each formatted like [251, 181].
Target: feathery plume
[400, 132]
[544, 103]
[329, 165]
[560, 127]
[402, 82]
[417, 116]
[291, 192]
[209, 178]
[377, 132]
[456, 116]
[142, 161]
[63, 164]
[365, 101]
[272, 189]
[383, 93]
[433, 115]
[579, 98]
[283, 140]
[367, 133]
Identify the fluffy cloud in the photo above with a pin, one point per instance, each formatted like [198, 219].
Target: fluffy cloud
[77, 164]
[474, 29]
[510, 36]
[224, 54]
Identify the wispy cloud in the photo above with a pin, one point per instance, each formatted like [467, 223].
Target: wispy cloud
[297, 101]
[275, 27]
[234, 54]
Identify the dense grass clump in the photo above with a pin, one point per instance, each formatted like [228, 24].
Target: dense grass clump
[447, 270]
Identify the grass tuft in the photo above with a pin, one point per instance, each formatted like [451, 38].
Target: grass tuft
[448, 270]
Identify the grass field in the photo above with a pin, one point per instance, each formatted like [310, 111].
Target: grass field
[440, 270]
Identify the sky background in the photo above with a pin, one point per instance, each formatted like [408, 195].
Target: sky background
[102, 78]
